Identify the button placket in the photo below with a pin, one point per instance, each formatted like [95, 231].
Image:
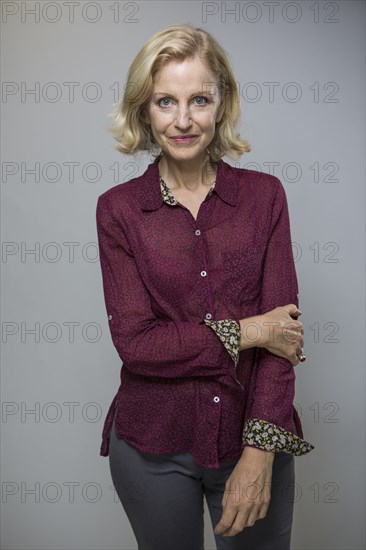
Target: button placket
[210, 418]
[203, 273]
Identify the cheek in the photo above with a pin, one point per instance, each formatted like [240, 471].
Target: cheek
[160, 121]
[208, 120]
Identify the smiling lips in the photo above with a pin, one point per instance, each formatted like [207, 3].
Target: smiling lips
[184, 139]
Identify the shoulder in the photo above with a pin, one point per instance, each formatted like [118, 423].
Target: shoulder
[263, 180]
[256, 182]
[129, 193]
[122, 191]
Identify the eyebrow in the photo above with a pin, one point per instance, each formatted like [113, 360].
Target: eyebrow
[198, 93]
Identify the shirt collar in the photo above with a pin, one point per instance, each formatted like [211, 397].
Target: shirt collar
[168, 196]
[153, 192]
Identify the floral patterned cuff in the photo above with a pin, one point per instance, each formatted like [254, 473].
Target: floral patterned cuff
[271, 437]
[228, 331]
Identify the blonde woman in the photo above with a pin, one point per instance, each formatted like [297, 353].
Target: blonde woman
[202, 302]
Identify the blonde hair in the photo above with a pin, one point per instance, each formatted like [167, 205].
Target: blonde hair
[176, 42]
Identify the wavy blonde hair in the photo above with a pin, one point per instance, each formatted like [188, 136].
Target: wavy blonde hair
[176, 43]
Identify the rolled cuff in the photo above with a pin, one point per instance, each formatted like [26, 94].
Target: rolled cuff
[228, 330]
[270, 437]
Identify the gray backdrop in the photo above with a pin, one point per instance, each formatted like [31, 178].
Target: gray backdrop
[300, 71]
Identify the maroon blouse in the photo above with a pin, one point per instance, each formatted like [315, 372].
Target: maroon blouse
[175, 289]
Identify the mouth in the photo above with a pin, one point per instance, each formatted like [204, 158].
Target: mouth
[184, 139]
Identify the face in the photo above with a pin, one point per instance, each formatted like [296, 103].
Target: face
[183, 109]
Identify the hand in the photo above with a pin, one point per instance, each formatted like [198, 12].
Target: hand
[247, 492]
[276, 331]
[286, 335]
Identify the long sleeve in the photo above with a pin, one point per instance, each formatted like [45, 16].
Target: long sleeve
[148, 345]
[271, 418]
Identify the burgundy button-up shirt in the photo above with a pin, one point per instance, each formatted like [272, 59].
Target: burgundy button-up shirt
[164, 274]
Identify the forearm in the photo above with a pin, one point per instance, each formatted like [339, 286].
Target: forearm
[168, 349]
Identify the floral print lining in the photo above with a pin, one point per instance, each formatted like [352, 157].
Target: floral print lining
[257, 432]
[270, 437]
[228, 331]
[168, 195]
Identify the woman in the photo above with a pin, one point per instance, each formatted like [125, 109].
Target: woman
[201, 294]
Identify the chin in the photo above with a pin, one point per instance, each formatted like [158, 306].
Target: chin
[186, 158]
[184, 153]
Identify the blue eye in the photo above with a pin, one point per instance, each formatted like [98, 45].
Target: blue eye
[167, 102]
[202, 100]
[164, 102]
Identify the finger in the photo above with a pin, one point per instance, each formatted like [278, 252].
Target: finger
[238, 525]
[294, 338]
[252, 518]
[292, 309]
[299, 350]
[291, 335]
[263, 511]
[225, 522]
[298, 326]
[291, 332]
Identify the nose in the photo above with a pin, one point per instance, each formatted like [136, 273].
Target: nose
[182, 118]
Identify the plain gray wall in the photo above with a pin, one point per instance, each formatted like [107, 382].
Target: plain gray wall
[56, 489]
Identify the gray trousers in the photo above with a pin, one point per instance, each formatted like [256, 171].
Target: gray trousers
[162, 496]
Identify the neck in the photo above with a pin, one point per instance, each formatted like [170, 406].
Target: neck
[187, 175]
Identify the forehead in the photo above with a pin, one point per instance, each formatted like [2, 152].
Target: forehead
[192, 73]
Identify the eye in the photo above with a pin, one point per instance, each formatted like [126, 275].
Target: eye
[167, 102]
[201, 100]
[164, 102]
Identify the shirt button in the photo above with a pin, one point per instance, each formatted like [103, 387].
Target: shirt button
[203, 273]
[110, 317]
[216, 399]
[208, 316]
[197, 232]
